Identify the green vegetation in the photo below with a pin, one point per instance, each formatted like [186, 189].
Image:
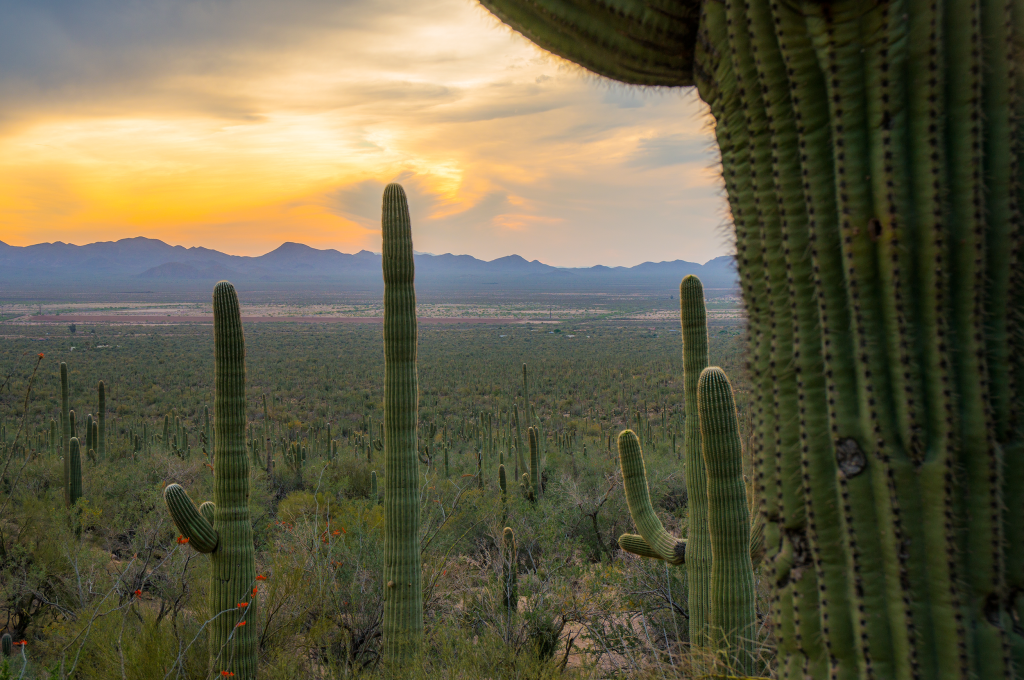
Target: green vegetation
[318, 539]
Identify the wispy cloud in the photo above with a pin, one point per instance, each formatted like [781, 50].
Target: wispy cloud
[238, 124]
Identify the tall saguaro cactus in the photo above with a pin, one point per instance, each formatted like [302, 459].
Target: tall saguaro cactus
[65, 420]
[223, 528]
[403, 595]
[871, 153]
[732, 621]
[101, 416]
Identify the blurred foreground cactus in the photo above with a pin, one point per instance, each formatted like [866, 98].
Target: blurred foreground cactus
[222, 528]
[403, 594]
[871, 154]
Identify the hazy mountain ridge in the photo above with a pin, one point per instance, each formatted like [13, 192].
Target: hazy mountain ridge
[153, 261]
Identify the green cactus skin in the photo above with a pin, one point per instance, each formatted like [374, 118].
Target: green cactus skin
[645, 43]
[74, 490]
[96, 436]
[732, 625]
[228, 538]
[638, 497]
[871, 156]
[403, 599]
[694, 327]
[509, 568]
[53, 437]
[101, 419]
[65, 418]
[6, 645]
[89, 442]
[502, 483]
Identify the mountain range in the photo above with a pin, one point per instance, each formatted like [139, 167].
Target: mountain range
[155, 265]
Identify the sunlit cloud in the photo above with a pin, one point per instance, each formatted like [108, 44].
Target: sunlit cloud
[239, 125]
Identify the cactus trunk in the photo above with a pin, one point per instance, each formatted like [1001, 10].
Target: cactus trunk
[403, 598]
[228, 537]
[101, 419]
[871, 155]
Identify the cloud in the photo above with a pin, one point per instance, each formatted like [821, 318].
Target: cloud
[247, 121]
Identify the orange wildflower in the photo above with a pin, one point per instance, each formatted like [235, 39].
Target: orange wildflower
[243, 605]
[239, 624]
[335, 533]
[254, 590]
[40, 356]
[226, 674]
[261, 577]
[138, 594]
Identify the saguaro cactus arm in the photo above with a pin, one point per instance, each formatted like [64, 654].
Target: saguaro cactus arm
[638, 498]
[191, 522]
[643, 42]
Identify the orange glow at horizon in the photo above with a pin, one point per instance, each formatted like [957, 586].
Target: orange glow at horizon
[501, 148]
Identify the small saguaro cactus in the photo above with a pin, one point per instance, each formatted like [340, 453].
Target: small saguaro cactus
[6, 645]
[509, 567]
[74, 490]
[403, 595]
[101, 420]
[222, 528]
[373, 486]
[65, 419]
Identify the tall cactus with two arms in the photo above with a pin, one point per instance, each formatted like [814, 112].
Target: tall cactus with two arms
[223, 528]
[871, 153]
[403, 594]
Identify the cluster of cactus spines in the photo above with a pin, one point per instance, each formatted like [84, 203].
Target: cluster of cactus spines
[871, 156]
[403, 597]
[731, 628]
[101, 420]
[509, 567]
[223, 527]
[74, 490]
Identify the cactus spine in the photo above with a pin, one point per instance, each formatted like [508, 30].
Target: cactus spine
[101, 419]
[403, 599]
[228, 537]
[731, 628]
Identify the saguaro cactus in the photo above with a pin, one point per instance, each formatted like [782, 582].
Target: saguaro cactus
[509, 568]
[101, 419]
[731, 628]
[403, 596]
[74, 490]
[65, 419]
[223, 528]
[871, 153]
[6, 645]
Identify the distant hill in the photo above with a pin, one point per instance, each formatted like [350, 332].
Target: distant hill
[154, 263]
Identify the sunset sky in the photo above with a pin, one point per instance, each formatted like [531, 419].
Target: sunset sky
[241, 124]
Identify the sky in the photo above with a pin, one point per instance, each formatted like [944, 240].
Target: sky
[242, 124]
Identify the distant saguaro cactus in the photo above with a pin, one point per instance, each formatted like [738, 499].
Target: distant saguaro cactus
[101, 419]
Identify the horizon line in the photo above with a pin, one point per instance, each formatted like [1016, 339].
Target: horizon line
[364, 250]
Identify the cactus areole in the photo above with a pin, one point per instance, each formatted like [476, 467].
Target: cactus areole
[228, 538]
[403, 595]
[871, 153]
